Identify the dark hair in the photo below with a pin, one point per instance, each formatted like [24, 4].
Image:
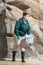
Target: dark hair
[25, 13]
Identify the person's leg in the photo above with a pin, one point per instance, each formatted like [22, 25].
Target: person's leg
[13, 56]
[23, 54]
[14, 53]
[22, 47]
[14, 49]
[16, 45]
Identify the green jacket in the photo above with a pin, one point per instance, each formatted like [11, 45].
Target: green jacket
[21, 28]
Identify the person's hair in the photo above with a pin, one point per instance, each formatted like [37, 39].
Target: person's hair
[25, 13]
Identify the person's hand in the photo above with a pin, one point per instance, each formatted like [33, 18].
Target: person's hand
[18, 37]
[28, 33]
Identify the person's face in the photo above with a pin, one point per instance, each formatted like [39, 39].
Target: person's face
[26, 17]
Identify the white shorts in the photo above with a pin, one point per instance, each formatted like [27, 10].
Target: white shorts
[19, 42]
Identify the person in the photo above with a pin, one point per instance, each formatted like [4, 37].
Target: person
[22, 28]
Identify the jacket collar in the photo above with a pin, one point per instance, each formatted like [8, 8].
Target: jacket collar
[23, 19]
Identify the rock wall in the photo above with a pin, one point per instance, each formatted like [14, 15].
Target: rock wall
[17, 13]
[3, 39]
[36, 24]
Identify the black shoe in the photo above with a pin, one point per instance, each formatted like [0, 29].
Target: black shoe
[23, 60]
[13, 60]
[22, 56]
[14, 54]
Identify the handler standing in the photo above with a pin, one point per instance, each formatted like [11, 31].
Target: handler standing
[22, 28]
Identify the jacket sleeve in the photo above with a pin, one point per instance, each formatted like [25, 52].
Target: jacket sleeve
[17, 26]
[28, 30]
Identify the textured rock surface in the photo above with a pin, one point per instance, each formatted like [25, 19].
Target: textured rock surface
[33, 4]
[10, 20]
[36, 31]
[3, 40]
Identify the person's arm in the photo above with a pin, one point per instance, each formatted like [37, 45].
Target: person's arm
[17, 26]
[28, 30]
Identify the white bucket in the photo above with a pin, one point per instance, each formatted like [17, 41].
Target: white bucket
[29, 39]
